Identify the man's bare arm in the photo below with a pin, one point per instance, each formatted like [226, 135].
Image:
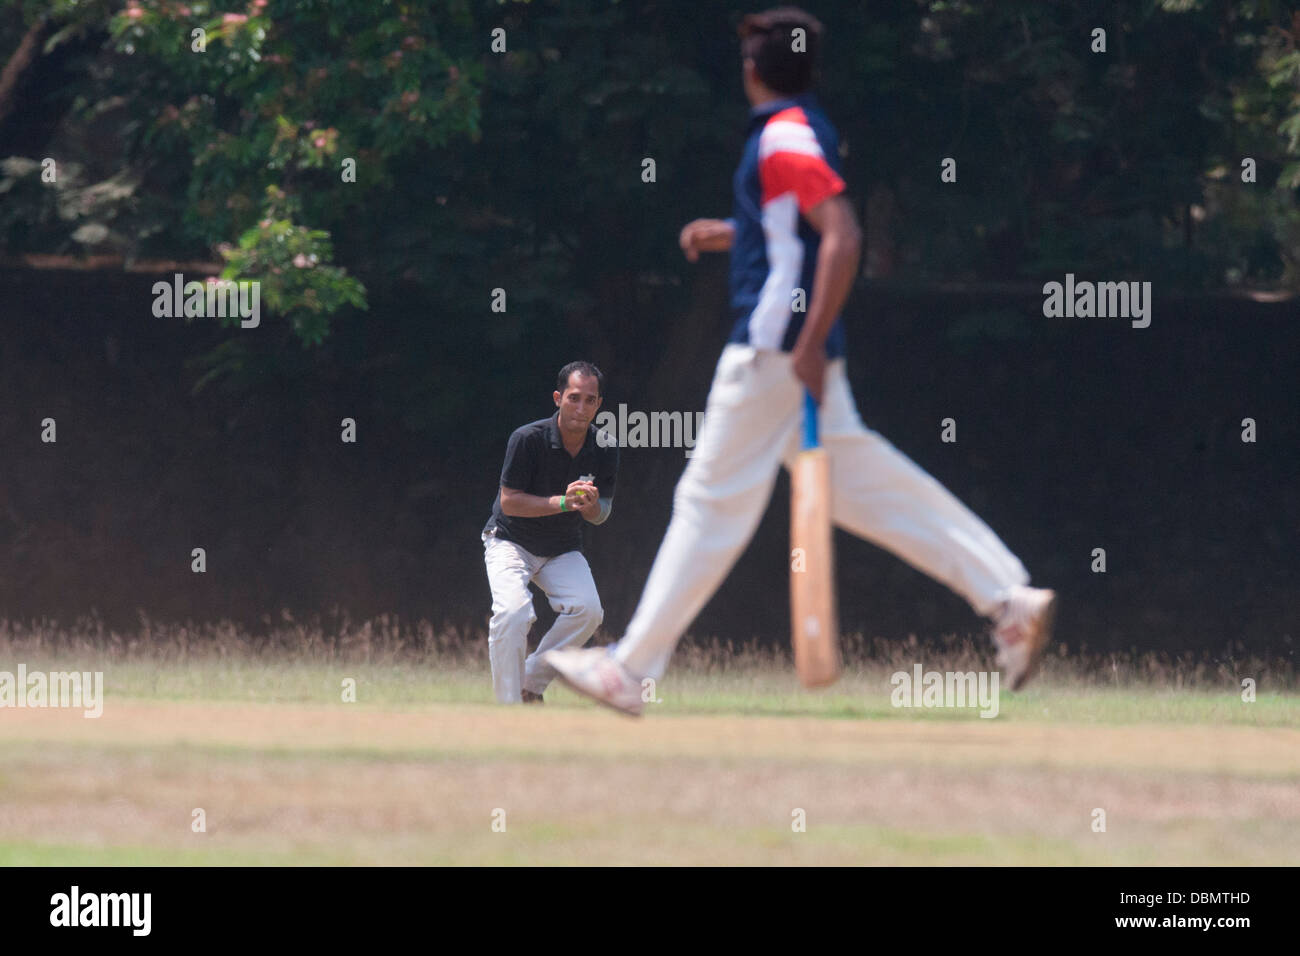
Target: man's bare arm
[706, 235]
[837, 267]
[598, 511]
[520, 504]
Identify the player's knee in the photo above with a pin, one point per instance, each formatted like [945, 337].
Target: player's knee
[590, 613]
[511, 623]
[689, 489]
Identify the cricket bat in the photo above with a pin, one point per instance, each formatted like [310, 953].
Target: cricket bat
[814, 627]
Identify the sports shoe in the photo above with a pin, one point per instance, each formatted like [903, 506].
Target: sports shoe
[1022, 631]
[530, 698]
[594, 673]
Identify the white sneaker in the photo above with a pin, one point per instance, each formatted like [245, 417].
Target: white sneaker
[1022, 631]
[594, 673]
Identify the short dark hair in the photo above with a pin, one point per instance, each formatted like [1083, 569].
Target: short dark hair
[585, 368]
[767, 38]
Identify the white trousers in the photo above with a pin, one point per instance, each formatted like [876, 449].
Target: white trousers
[566, 580]
[752, 425]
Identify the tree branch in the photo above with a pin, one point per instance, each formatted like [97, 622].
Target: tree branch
[19, 64]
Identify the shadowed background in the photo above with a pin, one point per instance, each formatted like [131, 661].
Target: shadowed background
[523, 171]
[1071, 435]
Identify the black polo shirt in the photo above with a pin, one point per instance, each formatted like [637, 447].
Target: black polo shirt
[538, 464]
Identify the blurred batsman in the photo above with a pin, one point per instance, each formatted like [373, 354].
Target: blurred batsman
[556, 477]
[793, 233]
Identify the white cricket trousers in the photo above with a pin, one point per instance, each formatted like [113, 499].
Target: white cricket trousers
[752, 425]
[566, 580]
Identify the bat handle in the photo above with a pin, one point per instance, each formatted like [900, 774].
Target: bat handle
[810, 437]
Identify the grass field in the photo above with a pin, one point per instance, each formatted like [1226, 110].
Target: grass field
[416, 770]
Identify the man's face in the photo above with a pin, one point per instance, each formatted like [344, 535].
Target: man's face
[578, 402]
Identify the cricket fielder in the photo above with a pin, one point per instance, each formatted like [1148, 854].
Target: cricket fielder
[793, 229]
[556, 477]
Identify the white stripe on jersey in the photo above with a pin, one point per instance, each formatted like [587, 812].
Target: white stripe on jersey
[787, 136]
[771, 315]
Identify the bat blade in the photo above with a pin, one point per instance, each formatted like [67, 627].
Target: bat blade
[814, 625]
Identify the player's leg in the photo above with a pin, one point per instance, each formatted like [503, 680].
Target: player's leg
[566, 579]
[509, 569]
[753, 408]
[880, 494]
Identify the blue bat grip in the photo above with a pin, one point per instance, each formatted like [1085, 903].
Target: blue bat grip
[810, 436]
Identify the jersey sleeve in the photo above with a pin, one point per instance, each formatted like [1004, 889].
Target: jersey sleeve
[790, 160]
[520, 464]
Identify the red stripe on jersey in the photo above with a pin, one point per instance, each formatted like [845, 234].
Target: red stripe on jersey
[810, 178]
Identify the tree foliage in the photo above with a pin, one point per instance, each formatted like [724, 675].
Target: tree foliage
[213, 128]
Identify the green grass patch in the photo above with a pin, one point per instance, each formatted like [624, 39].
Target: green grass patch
[769, 690]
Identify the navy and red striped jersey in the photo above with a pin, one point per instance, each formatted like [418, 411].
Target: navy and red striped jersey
[791, 163]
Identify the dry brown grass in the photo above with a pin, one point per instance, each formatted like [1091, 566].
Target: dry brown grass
[366, 785]
[287, 773]
[390, 639]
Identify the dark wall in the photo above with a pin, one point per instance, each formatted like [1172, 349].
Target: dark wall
[1072, 434]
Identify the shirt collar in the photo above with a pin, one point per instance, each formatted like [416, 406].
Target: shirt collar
[764, 110]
